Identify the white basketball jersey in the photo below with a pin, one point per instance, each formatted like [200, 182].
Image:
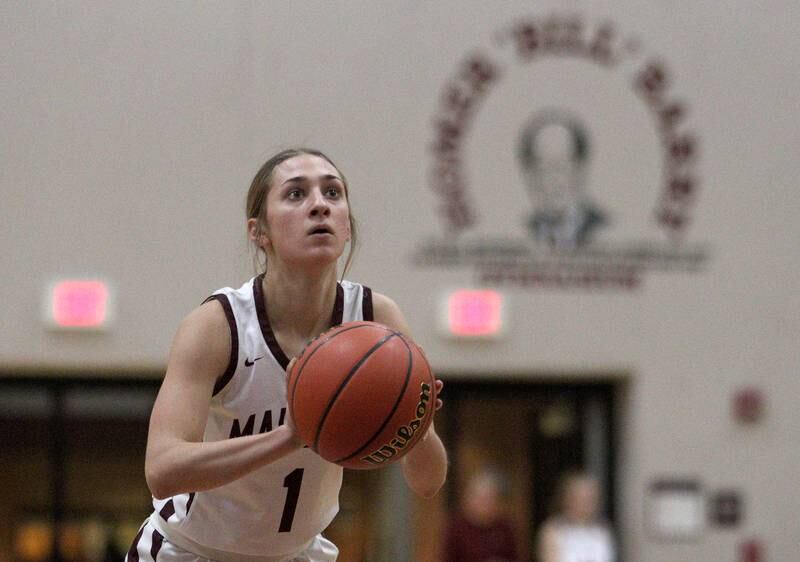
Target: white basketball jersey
[280, 507]
[584, 543]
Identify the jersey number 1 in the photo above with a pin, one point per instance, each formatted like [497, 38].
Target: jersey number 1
[292, 482]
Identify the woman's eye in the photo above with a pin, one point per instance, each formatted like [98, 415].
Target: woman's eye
[294, 194]
[333, 192]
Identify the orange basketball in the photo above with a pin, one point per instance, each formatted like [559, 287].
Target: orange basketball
[361, 395]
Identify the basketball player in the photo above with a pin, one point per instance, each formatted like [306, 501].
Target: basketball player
[230, 479]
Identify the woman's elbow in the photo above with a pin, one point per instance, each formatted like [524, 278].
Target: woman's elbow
[428, 486]
[428, 491]
[158, 482]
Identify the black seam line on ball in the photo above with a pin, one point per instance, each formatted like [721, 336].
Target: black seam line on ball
[313, 351]
[394, 408]
[339, 390]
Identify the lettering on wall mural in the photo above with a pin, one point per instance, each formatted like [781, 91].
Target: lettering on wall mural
[560, 242]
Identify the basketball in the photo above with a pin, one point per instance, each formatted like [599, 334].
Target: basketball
[361, 395]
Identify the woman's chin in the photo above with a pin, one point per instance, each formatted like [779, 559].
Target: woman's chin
[317, 259]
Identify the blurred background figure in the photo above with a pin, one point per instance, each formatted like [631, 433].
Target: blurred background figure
[575, 532]
[481, 531]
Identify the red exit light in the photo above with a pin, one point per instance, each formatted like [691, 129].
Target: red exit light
[475, 313]
[79, 304]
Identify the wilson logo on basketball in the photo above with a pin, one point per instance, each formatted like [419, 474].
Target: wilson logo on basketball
[405, 433]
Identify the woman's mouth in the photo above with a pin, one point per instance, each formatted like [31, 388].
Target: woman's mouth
[320, 231]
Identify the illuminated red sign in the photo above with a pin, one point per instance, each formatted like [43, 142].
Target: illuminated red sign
[79, 304]
[472, 313]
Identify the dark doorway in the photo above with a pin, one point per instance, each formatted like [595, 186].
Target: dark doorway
[72, 466]
[533, 433]
[571, 431]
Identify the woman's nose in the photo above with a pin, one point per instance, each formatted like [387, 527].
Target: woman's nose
[319, 205]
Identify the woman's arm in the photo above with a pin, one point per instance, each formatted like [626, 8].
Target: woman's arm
[425, 466]
[177, 458]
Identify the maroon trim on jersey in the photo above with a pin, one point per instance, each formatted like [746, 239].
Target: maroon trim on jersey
[366, 304]
[234, 358]
[133, 553]
[167, 511]
[158, 540]
[338, 307]
[266, 329]
[263, 322]
[189, 503]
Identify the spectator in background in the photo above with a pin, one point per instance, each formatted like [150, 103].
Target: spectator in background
[481, 532]
[575, 533]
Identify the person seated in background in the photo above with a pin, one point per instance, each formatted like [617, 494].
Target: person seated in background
[574, 533]
[481, 532]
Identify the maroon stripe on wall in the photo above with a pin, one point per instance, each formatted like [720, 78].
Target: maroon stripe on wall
[133, 553]
[366, 304]
[234, 358]
[167, 511]
[158, 540]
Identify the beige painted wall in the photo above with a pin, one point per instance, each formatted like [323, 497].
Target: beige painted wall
[131, 131]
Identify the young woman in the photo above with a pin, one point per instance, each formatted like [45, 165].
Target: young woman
[230, 479]
[575, 533]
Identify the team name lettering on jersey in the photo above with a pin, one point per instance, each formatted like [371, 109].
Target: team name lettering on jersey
[249, 426]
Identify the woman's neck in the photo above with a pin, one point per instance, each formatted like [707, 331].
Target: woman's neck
[299, 303]
[578, 520]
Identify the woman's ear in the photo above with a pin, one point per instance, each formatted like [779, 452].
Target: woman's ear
[252, 229]
[256, 234]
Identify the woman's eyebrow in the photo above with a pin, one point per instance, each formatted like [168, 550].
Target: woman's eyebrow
[300, 179]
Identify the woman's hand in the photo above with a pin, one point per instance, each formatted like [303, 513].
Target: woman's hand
[439, 385]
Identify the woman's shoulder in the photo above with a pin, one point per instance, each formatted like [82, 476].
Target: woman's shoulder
[557, 525]
[383, 306]
[550, 526]
[206, 321]
[245, 291]
[383, 302]
[386, 311]
[202, 343]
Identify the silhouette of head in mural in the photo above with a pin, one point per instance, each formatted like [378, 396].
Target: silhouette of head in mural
[554, 152]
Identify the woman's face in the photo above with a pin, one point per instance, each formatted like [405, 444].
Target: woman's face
[482, 501]
[581, 500]
[308, 217]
